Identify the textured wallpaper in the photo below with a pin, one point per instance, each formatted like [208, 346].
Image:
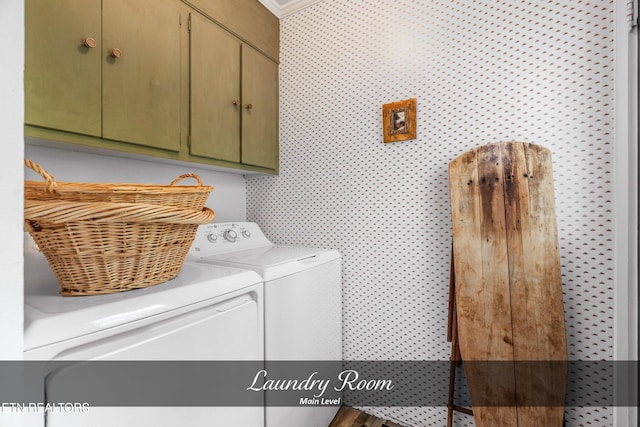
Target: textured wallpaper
[482, 71]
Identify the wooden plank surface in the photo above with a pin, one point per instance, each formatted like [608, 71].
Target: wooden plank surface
[508, 289]
[536, 286]
[482, 282]
[345, 417]
[351, 417]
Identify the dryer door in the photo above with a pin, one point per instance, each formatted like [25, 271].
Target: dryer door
[228, 330]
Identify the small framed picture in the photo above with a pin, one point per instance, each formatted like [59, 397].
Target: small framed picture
[399, 120]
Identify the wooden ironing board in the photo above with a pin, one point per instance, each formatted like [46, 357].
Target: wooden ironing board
[508, 289]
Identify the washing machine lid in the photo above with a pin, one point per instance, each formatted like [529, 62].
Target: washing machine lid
[51, 318]
[274, 261]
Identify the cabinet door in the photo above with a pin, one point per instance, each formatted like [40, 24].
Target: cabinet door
[62, 75]
[215, 91]
[141, 88]
[260, 109]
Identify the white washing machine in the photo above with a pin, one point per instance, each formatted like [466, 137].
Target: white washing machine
[303, 302]
[206, 313]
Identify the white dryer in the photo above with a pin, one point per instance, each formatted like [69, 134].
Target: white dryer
[303, 302]
[206, 313]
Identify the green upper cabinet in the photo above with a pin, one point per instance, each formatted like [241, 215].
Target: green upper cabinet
[141, 72]
[63, 65]
[107, 68]
[215, 91]
[234, 98]
[164, 78]
[260, 109]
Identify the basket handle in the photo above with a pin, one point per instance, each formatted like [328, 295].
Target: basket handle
[58, 212]
[187, 175]
[51, 181]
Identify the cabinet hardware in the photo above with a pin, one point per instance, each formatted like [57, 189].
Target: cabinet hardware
[106, 94]
[89, 42]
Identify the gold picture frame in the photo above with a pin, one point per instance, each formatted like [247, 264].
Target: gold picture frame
[399, 120]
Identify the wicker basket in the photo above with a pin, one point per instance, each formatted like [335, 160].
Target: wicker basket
[106, 238]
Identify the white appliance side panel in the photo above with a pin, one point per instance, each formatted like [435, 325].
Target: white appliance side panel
[303, 315]
[303, 319]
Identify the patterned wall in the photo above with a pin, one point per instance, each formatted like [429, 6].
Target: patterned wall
[482, 71]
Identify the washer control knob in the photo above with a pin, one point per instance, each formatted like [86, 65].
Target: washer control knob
[246, 234]
[212, 237]
[230, 236]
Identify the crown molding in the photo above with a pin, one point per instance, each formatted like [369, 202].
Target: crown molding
[284, 8]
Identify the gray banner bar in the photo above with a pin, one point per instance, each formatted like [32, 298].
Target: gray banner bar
[317, 383]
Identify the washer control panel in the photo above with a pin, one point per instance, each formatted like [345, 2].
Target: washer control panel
[230, 235]
[213, 239]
